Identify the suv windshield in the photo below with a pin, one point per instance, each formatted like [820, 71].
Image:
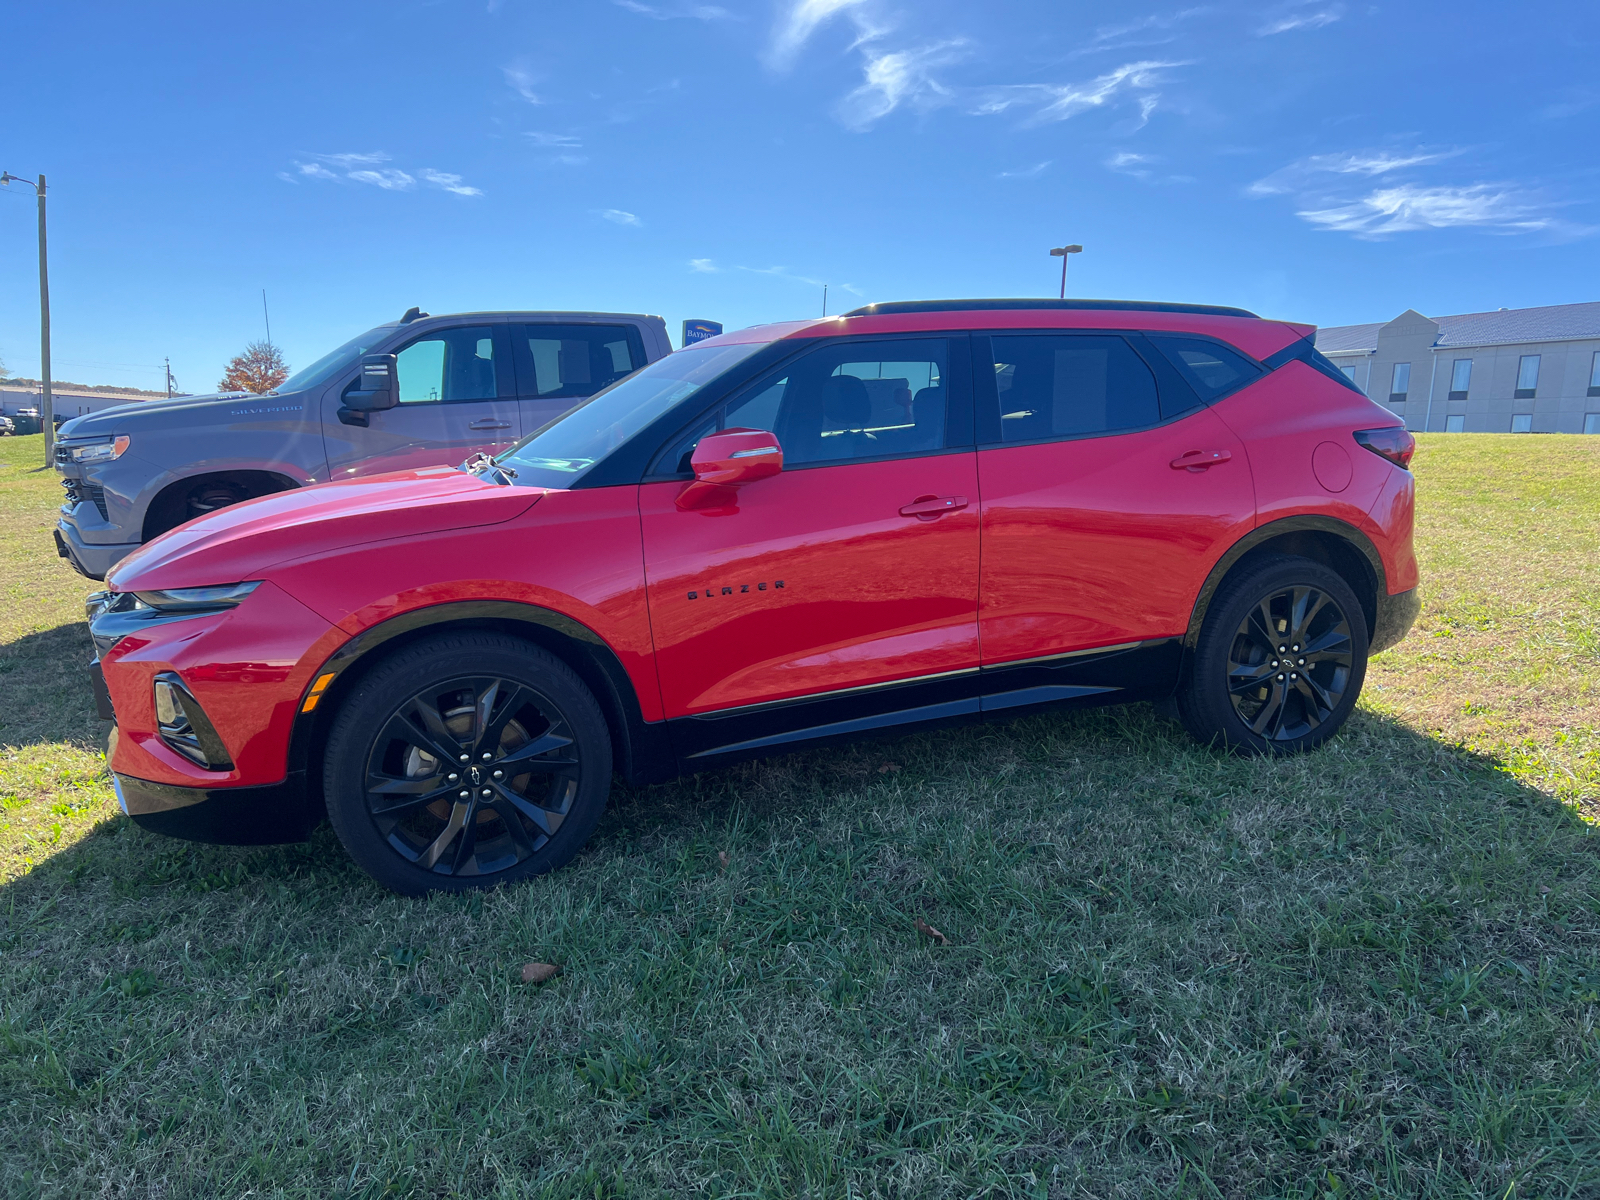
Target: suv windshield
[335, 361]
[557, 455]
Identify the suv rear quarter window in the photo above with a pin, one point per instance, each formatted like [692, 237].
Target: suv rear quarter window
[1211, 368]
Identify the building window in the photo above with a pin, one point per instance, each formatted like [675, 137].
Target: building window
[1401, 384]
[1350, 372]
[1460, 378]
[1594, 374]
[1455, 424]
[1527, 376]
[1522, 423]
[1591, 422]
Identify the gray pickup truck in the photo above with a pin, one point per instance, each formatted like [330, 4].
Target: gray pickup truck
[467, 383]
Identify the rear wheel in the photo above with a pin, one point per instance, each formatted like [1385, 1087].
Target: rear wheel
[1280, 660]
[466, 761]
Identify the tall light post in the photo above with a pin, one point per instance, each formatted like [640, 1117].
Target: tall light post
[46, 405]
[1061, 252]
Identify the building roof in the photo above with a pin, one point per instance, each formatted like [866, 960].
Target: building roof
[1551, 323]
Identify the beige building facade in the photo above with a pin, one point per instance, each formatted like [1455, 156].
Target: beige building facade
[1523, 370]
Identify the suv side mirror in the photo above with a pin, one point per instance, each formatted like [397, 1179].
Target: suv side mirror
[736, 456]
[376, 389]
[723, 461]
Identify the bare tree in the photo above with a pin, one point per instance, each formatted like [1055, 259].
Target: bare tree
[259, 369]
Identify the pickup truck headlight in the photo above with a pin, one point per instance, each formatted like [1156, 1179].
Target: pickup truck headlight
[195, 599]
[99, 452]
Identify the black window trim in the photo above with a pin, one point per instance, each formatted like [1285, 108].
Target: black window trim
[1168, 381]
[958, 342]
[1305, 350]
[1255, 362]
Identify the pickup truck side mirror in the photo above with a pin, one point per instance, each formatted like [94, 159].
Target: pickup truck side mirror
[376, 389]
[724, 461]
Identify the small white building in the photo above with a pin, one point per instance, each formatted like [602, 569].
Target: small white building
[1518, 370]
[67, 401]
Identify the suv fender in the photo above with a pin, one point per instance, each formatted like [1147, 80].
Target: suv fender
[1327, 540]
[642, 750]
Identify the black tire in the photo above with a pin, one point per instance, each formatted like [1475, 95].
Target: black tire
[1280, 660]
[209, 497]
[509, 809]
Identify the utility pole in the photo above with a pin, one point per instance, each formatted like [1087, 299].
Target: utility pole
[824, 299]
[265, 317]
[46, 404]
[168, 363]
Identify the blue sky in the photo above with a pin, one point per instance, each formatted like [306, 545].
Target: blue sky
[1326, 161]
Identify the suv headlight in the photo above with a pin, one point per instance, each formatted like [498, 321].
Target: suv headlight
[193, 599]
[99, 452]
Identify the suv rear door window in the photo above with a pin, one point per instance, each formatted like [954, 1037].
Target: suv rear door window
[1053, 386]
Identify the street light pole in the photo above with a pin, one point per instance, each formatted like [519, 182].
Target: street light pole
[1061, 252]
[46, 404]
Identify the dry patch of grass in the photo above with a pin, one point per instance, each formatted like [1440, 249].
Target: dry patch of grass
[1370, 971]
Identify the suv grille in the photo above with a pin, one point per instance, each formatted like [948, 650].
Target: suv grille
[79, 490]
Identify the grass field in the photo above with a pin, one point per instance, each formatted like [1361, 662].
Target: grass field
[1373, 971]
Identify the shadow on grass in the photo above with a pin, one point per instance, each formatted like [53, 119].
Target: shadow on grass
[44, 678]
[1374, 759]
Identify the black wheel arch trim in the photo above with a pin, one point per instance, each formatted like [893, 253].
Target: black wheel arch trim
[642, 748]
[1380, 616]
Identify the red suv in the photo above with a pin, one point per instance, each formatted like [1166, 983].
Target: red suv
[911, 514]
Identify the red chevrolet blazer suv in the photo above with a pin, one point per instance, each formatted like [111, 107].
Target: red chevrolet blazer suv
[915, 513]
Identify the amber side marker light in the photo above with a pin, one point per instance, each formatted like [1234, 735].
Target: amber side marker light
[1393, 442]
[317, 688]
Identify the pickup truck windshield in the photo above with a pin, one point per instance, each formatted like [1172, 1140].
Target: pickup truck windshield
[334, 362]
[557, 455]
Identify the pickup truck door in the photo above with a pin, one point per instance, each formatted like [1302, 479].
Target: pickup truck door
[457, 396]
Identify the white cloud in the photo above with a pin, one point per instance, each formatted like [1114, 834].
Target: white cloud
[1032, 172]
[1137, 33]
[699, 12]
[552, 139]
[364, 168]
[617, 216]
[803, 18]
[897, 76]
[704, 266]
[521, 80]
[1142, 167]
[388, 178]
[1291, 20]
[1060, 102]
[447, 181]
[1409, 207]
[1298, 175]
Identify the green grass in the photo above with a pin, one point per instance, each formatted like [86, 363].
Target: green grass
[1372, 971]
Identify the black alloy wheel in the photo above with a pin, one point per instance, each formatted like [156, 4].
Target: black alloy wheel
[1280, 659]
[471, 776]
[494, 767]
[1290, 663]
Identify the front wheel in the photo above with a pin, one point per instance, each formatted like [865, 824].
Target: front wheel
[466, 761]
[1280, 660]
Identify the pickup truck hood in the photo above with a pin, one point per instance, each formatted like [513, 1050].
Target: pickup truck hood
[180, 410]
[243, 540]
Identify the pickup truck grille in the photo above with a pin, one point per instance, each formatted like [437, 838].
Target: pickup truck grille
[79, 490]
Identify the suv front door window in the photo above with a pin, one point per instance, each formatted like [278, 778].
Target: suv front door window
[457, 397]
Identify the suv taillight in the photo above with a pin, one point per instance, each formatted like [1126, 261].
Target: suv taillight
[1393, 442]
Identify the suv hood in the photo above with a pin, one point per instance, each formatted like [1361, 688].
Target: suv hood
[243, 540]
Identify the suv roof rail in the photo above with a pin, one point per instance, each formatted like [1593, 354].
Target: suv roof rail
[930, 306]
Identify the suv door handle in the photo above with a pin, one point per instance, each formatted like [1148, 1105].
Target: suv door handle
[489, 423]
[1197, 461]
[928, 508]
